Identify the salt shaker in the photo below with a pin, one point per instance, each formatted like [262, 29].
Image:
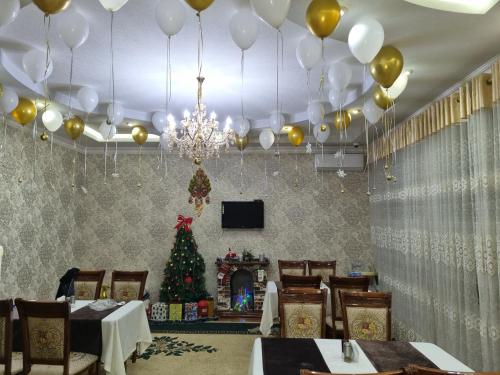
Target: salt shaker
[72, 300]
[347, 349]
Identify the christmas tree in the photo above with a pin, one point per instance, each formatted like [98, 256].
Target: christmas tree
[184, 274]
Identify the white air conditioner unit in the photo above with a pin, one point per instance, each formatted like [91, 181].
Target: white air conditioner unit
[328, 162]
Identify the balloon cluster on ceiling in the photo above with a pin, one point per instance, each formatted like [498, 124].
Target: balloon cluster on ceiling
[366, 39]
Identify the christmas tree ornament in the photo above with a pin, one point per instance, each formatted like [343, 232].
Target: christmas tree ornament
[199, 188]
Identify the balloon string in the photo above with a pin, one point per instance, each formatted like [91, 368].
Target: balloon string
[105, 161]
[242, 82]
[166, 167]
[277, 94]
[116, 156]
[85, 166]
[241, 172]
[366, 137]
[139, 184]
[265, 177]
[46, 23]
[70, 104]
[4, 142]
[200, 44]
[112, 64]
[34, 150]
[296, 168]
[168, 88]
[308, 83]
[23, 131]
[73, 184]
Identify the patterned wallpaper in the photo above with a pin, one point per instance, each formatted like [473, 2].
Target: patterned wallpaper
[46, 227]
[122, 226]
[36, 215]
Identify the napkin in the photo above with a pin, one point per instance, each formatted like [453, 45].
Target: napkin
[61, 299]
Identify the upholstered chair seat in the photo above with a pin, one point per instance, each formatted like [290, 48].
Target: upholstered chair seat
[78, 362]
[16, 366]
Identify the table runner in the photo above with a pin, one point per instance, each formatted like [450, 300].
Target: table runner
[288, 356]
[393, 355]
[86, 330]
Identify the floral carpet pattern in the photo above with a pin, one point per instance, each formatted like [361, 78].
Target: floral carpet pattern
[173, 346]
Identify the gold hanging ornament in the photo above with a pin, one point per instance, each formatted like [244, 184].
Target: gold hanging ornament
[341, 120]
[199, 188]
[140, 135]
[386, 67]
[322, 17]
[199, 5]
[25, 112]
[74, 127]
[241, 143]
[296, 136]
[52, 6]
[44, 136]
[381, 99]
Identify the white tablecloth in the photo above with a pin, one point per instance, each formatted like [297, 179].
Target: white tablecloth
[270, 307]
[122, 331]
[331, 351]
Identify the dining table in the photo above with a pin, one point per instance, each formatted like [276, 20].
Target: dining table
[286, 356]
[270, 307]
[113, 334]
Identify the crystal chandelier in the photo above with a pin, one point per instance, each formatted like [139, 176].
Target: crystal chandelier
[199, 137]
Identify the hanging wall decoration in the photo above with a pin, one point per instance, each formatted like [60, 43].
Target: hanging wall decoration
[199, 188]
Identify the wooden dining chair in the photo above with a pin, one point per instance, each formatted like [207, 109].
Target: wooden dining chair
[420, 370]
[88, 284]
[128, 286]
[45, 330]
[292, 267]
[292, 281]
[337, 284]
[366, 315]
[325, 269]
[302, 313]
[309, 372]
[10, 363]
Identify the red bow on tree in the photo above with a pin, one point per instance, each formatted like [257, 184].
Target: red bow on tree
[184, 222]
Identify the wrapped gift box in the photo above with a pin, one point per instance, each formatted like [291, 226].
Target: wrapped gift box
[175, 311]
[191, 311]
[159, 312]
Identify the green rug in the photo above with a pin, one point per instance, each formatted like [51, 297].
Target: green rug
[173, 346]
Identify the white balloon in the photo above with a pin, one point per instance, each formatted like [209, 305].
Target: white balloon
[276, 121]
[321, 135]
[35, 65]
[160, 121]
[308, 51]
[107, 131]
[372, 111]
[339, 75]
[243, 27]
[272, 12]
[266, 138]
[315, 112]
[52, 119]
[73, 29]
[164, 140]
[398, 86]
[9, 11]
[88, 99]
[241, 126]
[115, 113]
[336, 98]
[8, 101]
[113, 5]
[366, 39]
[170, 16]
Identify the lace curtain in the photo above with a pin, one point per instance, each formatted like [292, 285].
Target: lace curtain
[436, 229]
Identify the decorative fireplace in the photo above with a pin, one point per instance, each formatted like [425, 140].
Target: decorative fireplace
[241, 287]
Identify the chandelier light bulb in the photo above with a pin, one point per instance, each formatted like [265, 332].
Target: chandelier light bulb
[186, 114]
[213, 115]
[229, 122]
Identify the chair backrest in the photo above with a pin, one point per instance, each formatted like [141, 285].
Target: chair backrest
[302, 313]
[366, 315]
[291, 281]
[45, 332]
[309, 372]
[88, 284]
[127, 286]
[6, 335]
[420, 370]
[325, 269]
[349, 284]
[292, 267]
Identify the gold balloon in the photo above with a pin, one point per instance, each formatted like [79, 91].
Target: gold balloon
[381, 98]
[322, 127]
[74, 127]
[241, 142]
[44, 136]
[322, 17]
[140, 134]
[387, 66]
[296, 136]
[199, 5]
[52, 6]
[341, 120]
[25, 112]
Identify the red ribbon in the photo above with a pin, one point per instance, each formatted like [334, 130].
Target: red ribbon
[184, 222]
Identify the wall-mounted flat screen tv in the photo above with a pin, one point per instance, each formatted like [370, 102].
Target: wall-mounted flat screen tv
[243, 215]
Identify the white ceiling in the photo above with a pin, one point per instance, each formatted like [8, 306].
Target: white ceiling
[440, 47]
